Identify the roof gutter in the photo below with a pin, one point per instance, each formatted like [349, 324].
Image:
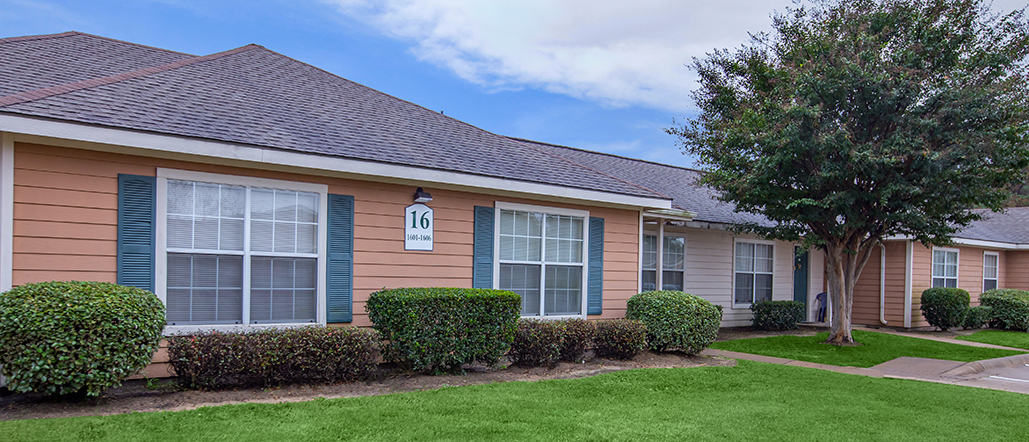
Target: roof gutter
[133, 142]
[972, 242]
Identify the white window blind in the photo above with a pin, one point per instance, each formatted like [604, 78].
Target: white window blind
[754, 263]
[541, 259]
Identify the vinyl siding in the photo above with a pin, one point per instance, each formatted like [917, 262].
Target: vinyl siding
[1016, 269]
[866, 291]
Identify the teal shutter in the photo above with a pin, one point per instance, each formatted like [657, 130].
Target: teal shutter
[482, 267]
[340, 265]
[136, 230]
[595, 283]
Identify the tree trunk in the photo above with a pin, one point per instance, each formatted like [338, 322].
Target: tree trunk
[844, 263]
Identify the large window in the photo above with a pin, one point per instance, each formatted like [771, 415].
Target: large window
[753, 267]
[991, 261]
[541, 259]
[672, 262]
[240, 254]
[945, 268]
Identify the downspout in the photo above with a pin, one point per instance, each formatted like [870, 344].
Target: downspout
[908, 266]
[882, 284]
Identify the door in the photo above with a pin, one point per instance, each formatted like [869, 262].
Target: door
[800, 277]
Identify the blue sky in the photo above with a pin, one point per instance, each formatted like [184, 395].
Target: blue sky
[600, 75]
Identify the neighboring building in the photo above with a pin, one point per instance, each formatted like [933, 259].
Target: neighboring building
[993, 253]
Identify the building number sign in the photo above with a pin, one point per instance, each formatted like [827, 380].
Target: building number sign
[418, 227]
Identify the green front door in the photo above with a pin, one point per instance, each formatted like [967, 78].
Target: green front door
[800, 276]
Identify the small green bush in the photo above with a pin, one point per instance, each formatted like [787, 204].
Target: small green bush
[440, 329]
[271, 357]
[945, 307]
[977, 317]
[537, 343]
[620, 338]
[1010, 308]
[71, 337]
[578, 337]
[777, 315]
[676, 320]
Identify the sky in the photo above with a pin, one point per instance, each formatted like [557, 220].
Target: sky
[604, 75]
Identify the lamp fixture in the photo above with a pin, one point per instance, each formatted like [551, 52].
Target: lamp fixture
[421, 196]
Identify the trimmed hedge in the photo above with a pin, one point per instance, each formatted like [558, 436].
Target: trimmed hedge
[945, 307]
[1010, 308]
[676, 320]
[537, 343]
[271, 357]
[977, 317]
[71, 337]
[440, 329]
[777, 315]
[578, 337]
[620, 338]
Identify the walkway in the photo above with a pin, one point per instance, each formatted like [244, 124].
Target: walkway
[1008, 374]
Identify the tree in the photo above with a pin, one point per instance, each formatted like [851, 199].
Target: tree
[858, 120]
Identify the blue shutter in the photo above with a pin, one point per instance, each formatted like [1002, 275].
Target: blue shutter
[595, 283]
[340, 254]
[136, 230]
[482, 268]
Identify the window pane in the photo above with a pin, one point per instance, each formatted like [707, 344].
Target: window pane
[939, 257]
[649, 252]
[763, 258]
[939, 282]
[525, 281]
[204, 289]
[285, 205]
[283, 290]
[952, 270]
[990, 266]
[180, 197]
[261, 239]
[744, 288]
[262, 203]
[204, 216]
[952, 283]
[762, 288]
[649, 280]
[563, 290]
[672, 280]
[307, 207]
[674, 253]
[989, 284]
[744, 257]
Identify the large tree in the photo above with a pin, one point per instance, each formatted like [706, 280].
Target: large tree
[859, 120]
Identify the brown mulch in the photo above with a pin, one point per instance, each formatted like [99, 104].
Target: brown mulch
[138, 396]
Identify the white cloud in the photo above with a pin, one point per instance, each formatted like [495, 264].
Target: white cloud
[614, 52]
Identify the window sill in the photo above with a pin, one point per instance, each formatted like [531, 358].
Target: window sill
[171, 330]
[553, 317]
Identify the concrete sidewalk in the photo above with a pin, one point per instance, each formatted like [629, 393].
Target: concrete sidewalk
[1007, 374]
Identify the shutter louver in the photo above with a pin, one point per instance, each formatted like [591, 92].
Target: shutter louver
[595, 282]
[482, 267]
[136, 230]
[340, 254]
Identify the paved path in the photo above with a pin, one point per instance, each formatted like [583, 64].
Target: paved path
[1008, 374]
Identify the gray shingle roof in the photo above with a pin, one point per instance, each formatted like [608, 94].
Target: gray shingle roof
[1012, 226]
[254, 96]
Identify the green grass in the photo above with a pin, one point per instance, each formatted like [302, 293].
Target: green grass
[1014, 339]
[876, 348]
[752, 401]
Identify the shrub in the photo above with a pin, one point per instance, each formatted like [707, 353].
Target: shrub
[976, 317]
[945, 307]
[777, 315]
[71, 337]
[578, 337]
[436, 329]
[537, 343]
[272, 357]
[676, 320]
[620, 338]
[1010, 308]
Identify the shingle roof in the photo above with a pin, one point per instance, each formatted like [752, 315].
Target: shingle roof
[1011, 226]
[254, 96]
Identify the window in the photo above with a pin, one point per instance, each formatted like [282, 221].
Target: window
[541, 259]
[945, 268]
[240, 254]
[673, 262]
[753, 282]
[991, 261]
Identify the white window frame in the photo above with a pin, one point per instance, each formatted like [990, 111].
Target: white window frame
[932, 267]
[661, 234]
[584, 214]
[161, 258]
[997, 279]
[736, 241]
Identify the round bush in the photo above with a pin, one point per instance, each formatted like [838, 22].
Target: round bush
[620, 338]
[945, 307]
[1010, 308]
[537, 343]
[676, 320]
[71, 337]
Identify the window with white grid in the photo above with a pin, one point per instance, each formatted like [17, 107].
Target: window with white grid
[541, 259]
[991, 263]
[753, 268]
[240, 254]
[673, 262]
[945, 268]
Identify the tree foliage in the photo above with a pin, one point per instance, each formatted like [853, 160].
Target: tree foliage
[857, 120]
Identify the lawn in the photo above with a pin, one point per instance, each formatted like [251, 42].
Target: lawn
[752, 401]
[876, 348]
[1016, 339]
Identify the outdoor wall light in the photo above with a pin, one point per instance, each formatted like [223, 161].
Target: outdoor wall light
[421, 196]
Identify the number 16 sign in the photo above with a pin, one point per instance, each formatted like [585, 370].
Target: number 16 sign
[418, 227]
